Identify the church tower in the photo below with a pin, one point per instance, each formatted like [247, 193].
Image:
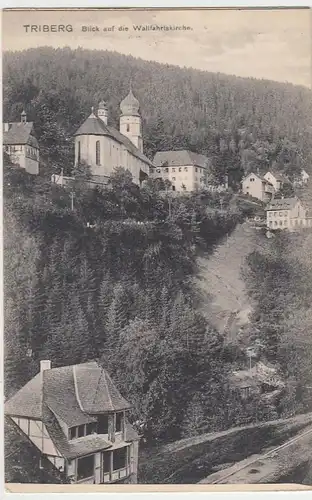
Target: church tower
[103, 111]
[131, 121]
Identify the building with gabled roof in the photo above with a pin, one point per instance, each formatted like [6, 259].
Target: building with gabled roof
[258, 187]
[20, 143]
[277, 179]
[105, 148]
[187, 171]
[77, 418]
[287, 213]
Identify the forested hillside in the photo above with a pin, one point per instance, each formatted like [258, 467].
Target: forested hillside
[242, 124]
[278, 277]
[120, 291]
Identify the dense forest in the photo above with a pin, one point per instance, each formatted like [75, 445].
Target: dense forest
[242, 124]
[111, 278]
[120, 291]
[279, 280]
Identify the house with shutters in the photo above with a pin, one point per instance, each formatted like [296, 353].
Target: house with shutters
[78, 420]
[186, 171]
[20, 143]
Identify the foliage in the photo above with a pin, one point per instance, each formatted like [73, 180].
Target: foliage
[241, 124]
[120, 291]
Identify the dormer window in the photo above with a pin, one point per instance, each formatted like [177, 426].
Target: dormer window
[103, 424]
[119, 422]
[82, 430]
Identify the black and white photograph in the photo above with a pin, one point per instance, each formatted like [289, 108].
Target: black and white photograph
[157, 237]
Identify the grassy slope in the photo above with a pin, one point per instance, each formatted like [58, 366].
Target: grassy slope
[191, 460]
[220, 282]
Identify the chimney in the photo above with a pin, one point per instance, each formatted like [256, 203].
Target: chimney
[23, 117]
[45, 365]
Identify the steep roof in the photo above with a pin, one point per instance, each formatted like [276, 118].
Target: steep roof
[263, 179]
[27, 401]
[93, 125]
[20, 133]
[180, 158]
[282, 204]
[95, 391]
[73, 393]
[278, 175]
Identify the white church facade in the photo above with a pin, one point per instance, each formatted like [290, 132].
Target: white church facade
[105, 148]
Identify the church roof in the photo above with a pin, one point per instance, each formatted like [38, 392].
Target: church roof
[92, 126]
[130, 105]
[95, 126]
[20, 133]
[180, 158]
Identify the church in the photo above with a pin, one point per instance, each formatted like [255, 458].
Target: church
[105, 148]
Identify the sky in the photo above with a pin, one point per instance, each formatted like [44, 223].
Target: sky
[271, 44]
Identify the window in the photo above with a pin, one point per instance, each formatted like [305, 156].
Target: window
[85, 467]
[79, 152]
[72, 432]
[180, 169]
[90, 428]
[281, 214]
[252, 179]
[128, 127]
[106, 461]
[103, 424]
[173, 188]
[158, 170]
[166, 169]
[120, 458]
[270, 223]
[185, 169]
[275, 223]
[119, 420]
[97, 153]
[280, 222]
[196, 169]
[81, 430]
[173, 169]
[173, 178]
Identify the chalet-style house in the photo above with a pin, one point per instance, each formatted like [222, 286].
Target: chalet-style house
[258, 187]
[105, 148]
[260, 380]
[186, 171]
[20, 143]
[77, 419]
[287, 213]
[277, 179]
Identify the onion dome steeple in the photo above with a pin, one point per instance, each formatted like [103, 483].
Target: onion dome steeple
[130, 106]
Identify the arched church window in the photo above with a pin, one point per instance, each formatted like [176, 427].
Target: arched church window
[79, 152]
[97, 153]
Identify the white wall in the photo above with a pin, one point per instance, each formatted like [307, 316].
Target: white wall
[112, 155]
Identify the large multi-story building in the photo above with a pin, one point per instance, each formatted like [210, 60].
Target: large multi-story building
[105, 148]
[186, 171]
[20, 143]
[77, 419]
[287, 213]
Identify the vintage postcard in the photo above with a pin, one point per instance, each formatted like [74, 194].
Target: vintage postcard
[157, 201]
